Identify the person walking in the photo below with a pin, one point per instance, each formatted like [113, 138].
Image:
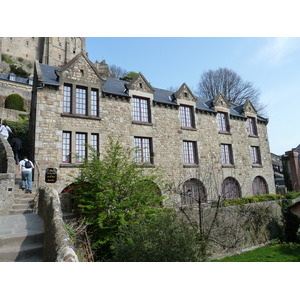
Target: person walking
[25, 168]
[5, 130]
[16, 145]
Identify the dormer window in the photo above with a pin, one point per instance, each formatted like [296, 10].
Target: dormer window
[252, 128]
[187, 116]
[12, 77]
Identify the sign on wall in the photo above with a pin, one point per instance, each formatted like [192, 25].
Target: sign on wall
[51, 175]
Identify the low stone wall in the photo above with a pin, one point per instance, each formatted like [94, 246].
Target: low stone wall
[7, 176]
[57, 243]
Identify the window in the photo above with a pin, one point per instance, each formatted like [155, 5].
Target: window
[255, 155]
[80, 147]
[187, 116]
[141, 110]
[66, 147]
[231, 189]
[190, 153]
[143, 150]
[94, 102]
[81, 101]
[223, 122]
[95, 141]
[67, 99]
[260, 186]
[226, 154]
[193, 191]
[12, 77]
[252, 129]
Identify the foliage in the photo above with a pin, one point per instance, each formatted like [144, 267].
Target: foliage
[286, 252]
[20, 129]
[292, 195]
[15, 101]
[129, 76]
[255, 199]
[112, 192]
[18, 71]
[7, 58]
[160, 237]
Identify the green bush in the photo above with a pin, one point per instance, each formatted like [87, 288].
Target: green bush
[255, 199]
[7, 58]
[15, 101]
[162, 237]
[292, 195]
[18, 71]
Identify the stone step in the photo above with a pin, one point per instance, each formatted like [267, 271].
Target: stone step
[21, 211]
[24, 205]
[29, 252]
[19, 239]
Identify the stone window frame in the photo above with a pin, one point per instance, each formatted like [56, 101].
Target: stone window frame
[223, 122]
[144, 150]
[66, 146]
[190, 153]
[187, 116]
[141, 110]
[80, 147]
[255, 155]
[89, 88]
[252, 126]
[227, 155]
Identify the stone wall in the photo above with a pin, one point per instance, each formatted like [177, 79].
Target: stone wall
[7, 176]
[57, 245]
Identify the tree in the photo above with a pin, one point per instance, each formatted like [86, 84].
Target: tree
[129, 76]
[113, 192]
[117, 72]
[231, 86]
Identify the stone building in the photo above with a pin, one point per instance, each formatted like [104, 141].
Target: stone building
[291, 169]
[209, 147]
[18, 54]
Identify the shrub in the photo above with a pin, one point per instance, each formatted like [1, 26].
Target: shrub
[161, 237]
[18, 71]
[292, 195]
[7, 58]
[15, 101]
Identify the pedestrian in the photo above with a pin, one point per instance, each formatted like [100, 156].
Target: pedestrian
[25, 168]
[16, 145]
[5, 130]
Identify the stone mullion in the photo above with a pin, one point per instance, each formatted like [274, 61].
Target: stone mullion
[73, 104]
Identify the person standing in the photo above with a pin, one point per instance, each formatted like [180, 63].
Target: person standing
[5, 130]
[16, 145]
[25, 168]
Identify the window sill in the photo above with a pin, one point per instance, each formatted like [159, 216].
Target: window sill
[188, 128]
[253, 136]
[81, 117]
[224, 132]
[191, 166]
[70, 165]
[257, 166]
[228, 166]
[142, 123]
[145, 165]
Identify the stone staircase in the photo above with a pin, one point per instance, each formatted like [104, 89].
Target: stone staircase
[21, 232]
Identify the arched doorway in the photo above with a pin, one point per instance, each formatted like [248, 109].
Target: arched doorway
[259, 186]
[193, 191]
[231, 189]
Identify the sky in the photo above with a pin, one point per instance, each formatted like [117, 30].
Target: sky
[271, 64]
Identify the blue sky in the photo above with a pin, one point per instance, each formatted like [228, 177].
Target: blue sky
[271, 64]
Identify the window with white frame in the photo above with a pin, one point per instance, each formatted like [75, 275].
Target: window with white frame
[187, 116]
[66, 147]
[81, 101]
[95, 141]
[67, 99]
[94, 102]
[226, 154]
[80, 147]
[223, 122]
[190, 155]
[143, 148]
[141, 110]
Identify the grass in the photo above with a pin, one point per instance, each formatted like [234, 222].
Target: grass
[273, 253]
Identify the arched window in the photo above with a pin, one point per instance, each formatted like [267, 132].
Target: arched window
[193, 191]
[231, 189]
[260, 186]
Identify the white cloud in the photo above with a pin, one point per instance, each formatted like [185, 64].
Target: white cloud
[277, 51]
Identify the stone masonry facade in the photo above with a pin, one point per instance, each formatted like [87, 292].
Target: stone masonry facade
[180, 133]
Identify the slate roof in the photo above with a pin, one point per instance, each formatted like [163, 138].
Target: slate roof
[18, 79]
[117, 87]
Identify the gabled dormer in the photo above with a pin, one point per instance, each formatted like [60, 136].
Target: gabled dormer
[249, 109]
[139, 84]
[80, 69]
[184, 93]
[221, 104]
